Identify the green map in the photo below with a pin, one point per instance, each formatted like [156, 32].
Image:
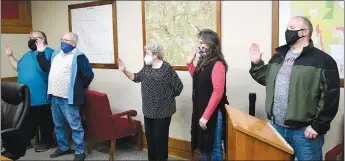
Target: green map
[175, 24]
[327, 18]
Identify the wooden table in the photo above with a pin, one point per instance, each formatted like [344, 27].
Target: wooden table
[4, 158]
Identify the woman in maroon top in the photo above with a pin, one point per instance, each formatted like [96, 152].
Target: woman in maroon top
[209, 96]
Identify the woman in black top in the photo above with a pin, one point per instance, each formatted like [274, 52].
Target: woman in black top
[209, 96]
[160, 84]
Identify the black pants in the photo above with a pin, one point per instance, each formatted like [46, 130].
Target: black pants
[40, 117]
[157, 136]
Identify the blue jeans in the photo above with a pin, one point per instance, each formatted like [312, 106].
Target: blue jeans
[305, 149]
[65, 115]
[217, 153]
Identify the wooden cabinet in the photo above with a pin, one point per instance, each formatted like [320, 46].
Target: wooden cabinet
[16, 16]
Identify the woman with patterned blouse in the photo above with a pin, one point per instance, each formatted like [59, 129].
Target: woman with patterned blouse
[209, 96]
[160, 84]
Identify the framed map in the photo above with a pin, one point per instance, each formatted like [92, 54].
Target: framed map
[175, 24]
[327, 18]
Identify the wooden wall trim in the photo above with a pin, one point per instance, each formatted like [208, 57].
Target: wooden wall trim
[21, 24]
[179, 149]
[9, 79]
[275, 26]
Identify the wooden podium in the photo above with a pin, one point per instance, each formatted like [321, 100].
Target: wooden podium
[249, 138]
[4, 158]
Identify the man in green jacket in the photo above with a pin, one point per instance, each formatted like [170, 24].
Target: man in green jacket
[302, 89]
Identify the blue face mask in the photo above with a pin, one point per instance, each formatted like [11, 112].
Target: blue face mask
[66, 48]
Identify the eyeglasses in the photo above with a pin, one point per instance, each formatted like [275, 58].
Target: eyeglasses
[65, 40]
[35, 37]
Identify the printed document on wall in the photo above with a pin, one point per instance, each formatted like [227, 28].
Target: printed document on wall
[94, 26]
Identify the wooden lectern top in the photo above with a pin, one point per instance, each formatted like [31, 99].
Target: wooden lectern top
[257, 128]
[4, 158]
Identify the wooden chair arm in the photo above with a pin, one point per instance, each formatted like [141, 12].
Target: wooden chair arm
[332, 154]
[129, 113]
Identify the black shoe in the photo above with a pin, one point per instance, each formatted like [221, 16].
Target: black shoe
[44, 147]
[79, 157]
[59, 153]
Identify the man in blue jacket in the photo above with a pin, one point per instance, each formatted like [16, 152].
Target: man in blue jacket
[69, 74]
[29, 73]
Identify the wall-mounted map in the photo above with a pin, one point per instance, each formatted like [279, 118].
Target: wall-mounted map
[175, 24]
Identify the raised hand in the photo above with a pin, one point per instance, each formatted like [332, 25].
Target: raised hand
[122, 66]
[254, 52]
[191, 57]
[40, 46]
[8, 50]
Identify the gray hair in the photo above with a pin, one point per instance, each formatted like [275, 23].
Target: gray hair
[156, 49]
[307, 23]
[74, 37]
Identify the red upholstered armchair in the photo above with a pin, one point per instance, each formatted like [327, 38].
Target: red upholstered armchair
[103, 125]
[334, 152]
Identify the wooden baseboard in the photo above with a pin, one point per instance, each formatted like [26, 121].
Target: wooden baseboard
[9, 79]
[179, 149]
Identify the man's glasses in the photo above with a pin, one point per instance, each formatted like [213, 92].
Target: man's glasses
[35, 37]
[65, 40]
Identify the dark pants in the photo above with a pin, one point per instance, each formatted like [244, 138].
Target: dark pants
[40, 117]
[157, 136]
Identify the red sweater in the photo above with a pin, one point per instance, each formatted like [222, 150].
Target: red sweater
[218, 81]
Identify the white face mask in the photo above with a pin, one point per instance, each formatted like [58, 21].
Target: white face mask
[148, 59]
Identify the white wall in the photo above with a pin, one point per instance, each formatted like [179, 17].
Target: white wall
[242, 24]
[19, 43]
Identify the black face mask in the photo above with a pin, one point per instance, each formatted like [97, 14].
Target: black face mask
[32, 44]
[291, 36]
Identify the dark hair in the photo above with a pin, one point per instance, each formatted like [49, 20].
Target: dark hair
[214, 52]
[43, 35]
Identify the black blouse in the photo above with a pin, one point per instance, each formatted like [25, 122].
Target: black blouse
[159, 87]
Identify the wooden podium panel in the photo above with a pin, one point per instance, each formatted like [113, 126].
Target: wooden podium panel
[249, 138]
